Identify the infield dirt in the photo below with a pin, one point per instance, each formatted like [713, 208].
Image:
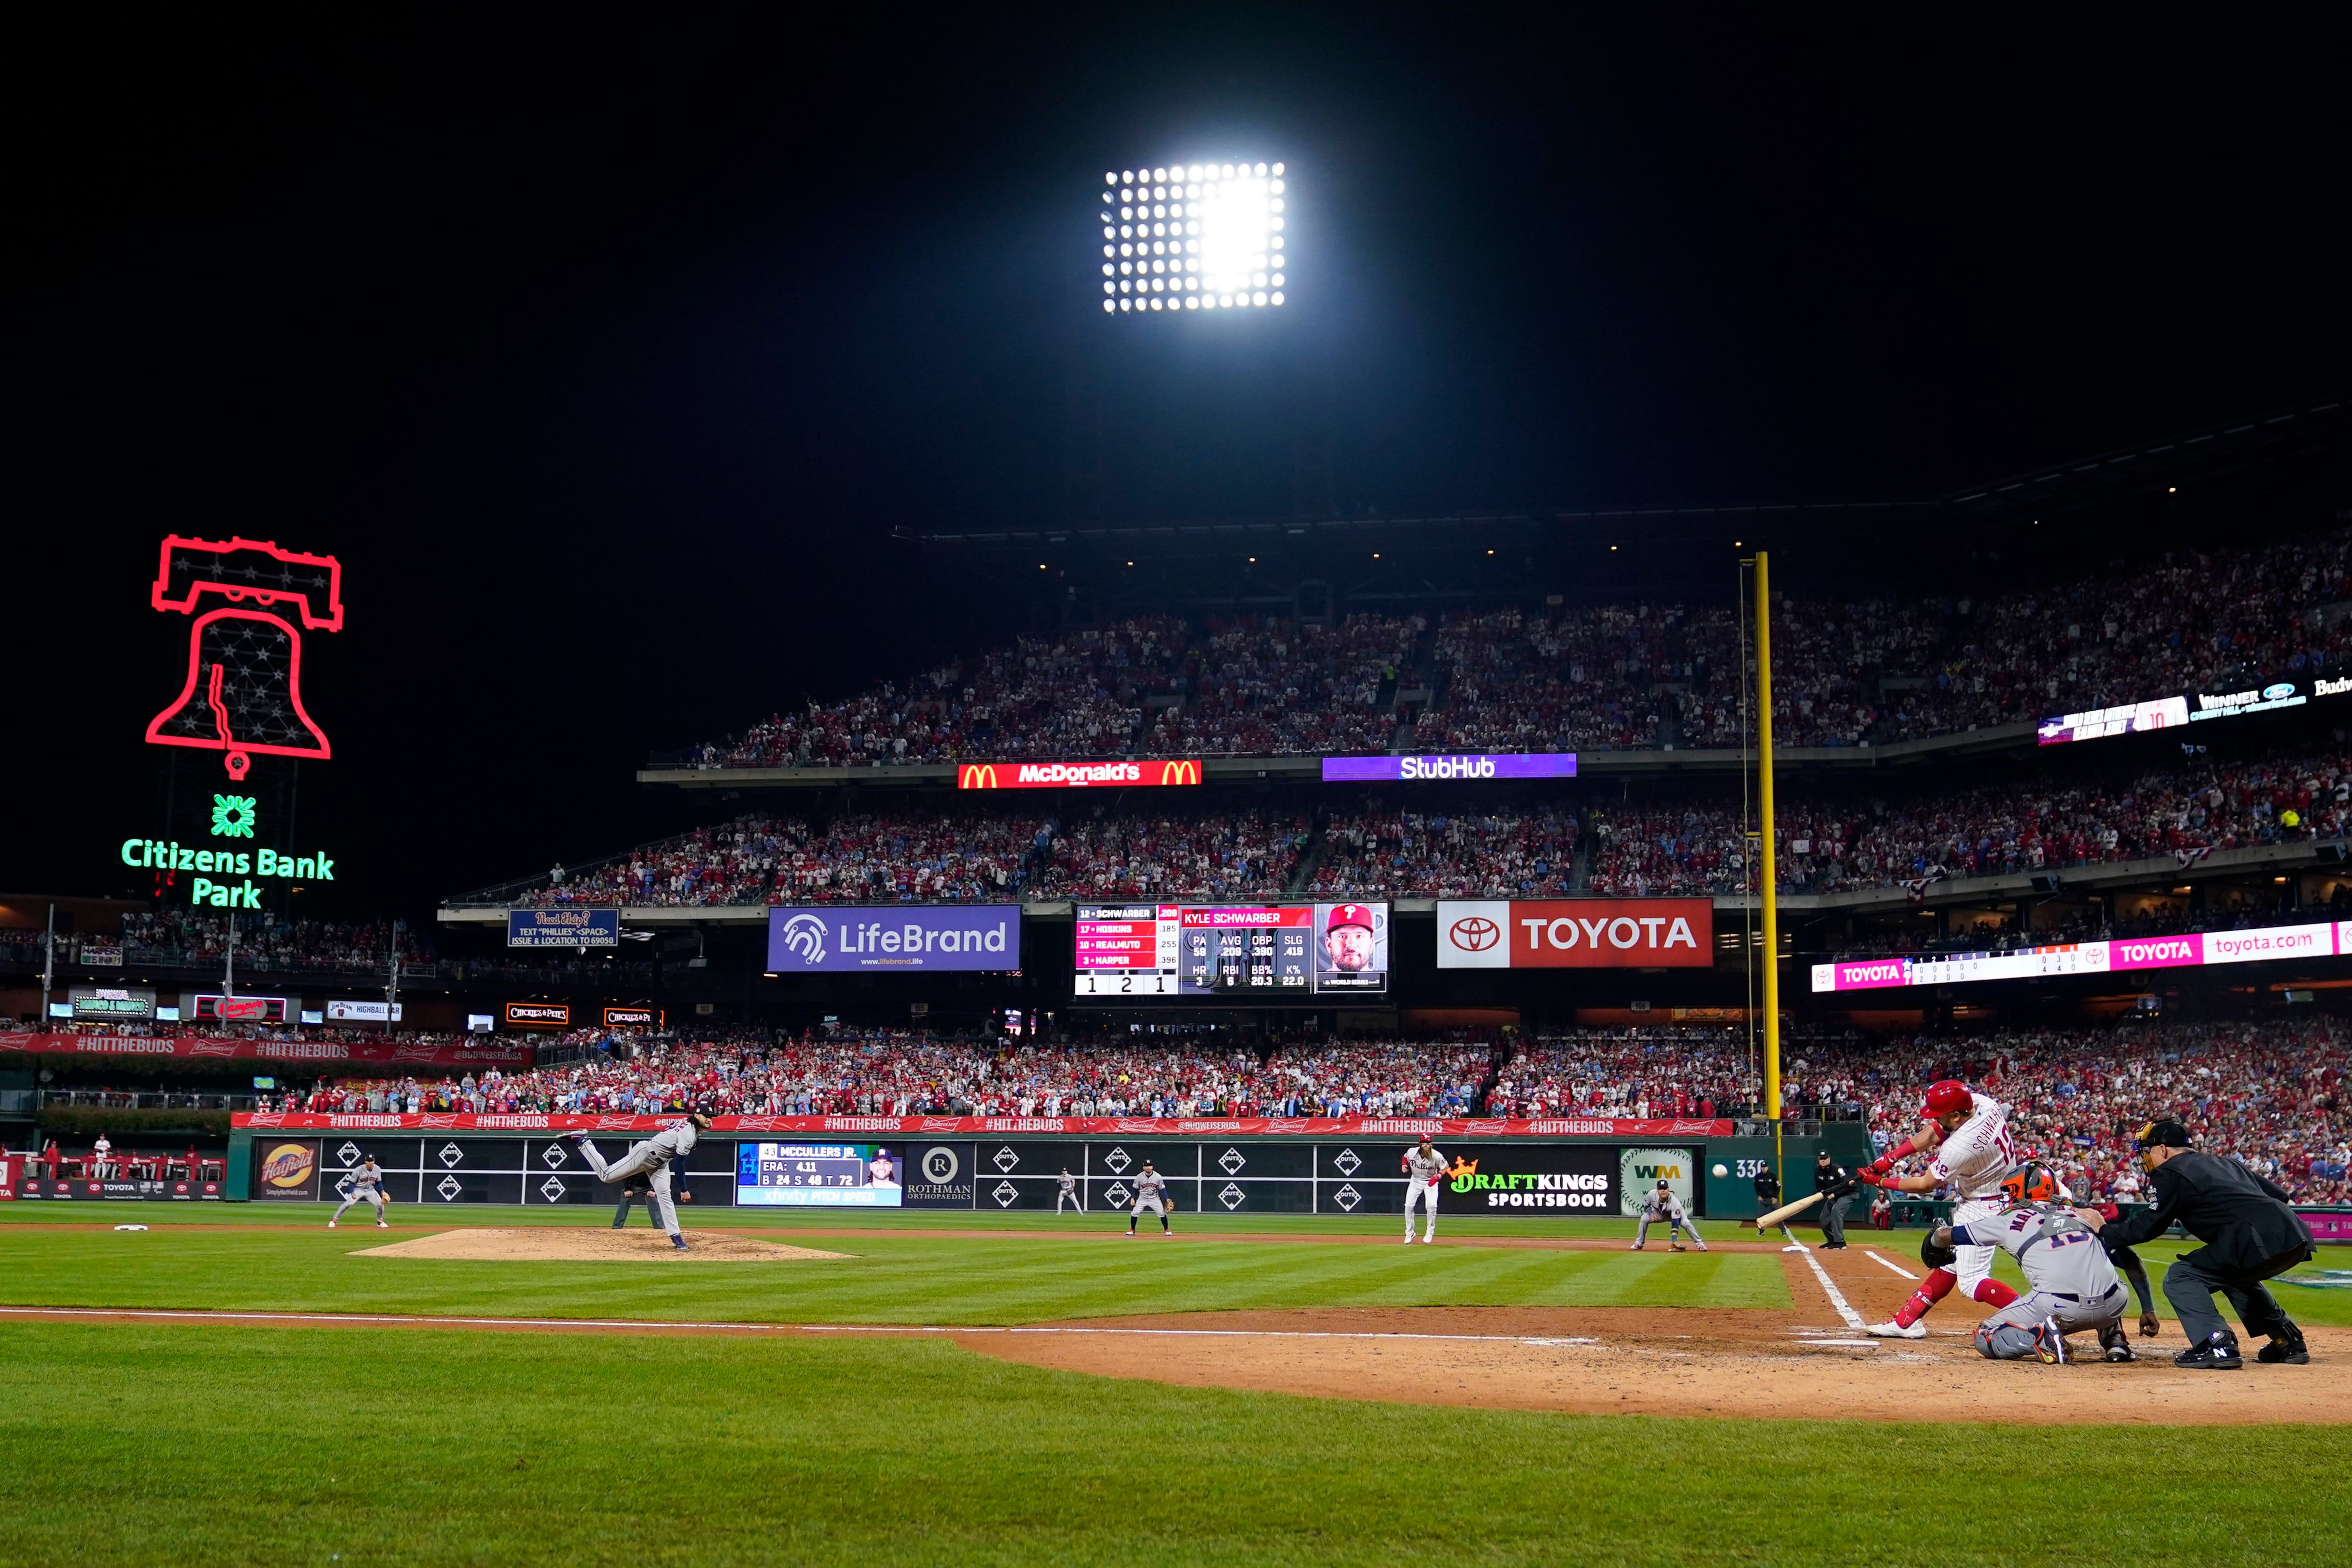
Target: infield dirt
[584, 1244]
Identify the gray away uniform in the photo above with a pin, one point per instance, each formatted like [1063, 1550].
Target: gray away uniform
[2071, 1282]
[1066, 1191]
[1150, 1188]
[1666, 1205]
[367, 1186]
[651, 1157]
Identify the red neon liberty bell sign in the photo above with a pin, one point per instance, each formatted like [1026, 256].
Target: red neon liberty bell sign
[244, 692]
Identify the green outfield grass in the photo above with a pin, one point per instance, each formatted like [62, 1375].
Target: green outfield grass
[172, 1445]
[908, 1269]
[912, 1278]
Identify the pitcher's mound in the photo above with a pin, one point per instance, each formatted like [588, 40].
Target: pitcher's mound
[589, 1244]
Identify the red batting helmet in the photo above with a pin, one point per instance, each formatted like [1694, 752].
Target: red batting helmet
[1951, 1097]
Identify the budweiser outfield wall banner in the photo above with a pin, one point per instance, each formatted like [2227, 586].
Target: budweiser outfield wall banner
[1576, 933]
[390, 1053]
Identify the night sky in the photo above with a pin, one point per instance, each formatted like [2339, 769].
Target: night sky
[605, 354]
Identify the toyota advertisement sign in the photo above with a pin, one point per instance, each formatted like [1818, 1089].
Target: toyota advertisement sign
[1576, 933]
[863, 940]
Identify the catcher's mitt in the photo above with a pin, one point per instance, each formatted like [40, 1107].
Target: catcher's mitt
[1936, 1257]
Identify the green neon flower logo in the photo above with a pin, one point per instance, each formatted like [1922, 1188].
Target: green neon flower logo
[233, 816]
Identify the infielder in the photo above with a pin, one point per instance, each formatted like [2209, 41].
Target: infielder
[2073, 1284]
[367, 1186]
[1423, 1167]
[1661, 1204]
[651, 1157]
[1969, 1137]
[1066, 1191]
[1150, 1189]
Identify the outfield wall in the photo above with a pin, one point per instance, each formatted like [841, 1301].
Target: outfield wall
[1339, 1174]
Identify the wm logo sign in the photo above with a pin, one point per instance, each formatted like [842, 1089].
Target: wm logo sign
[1658, 1172]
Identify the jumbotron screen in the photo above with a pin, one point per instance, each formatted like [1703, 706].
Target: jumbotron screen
[1263, 953]
[820, 1176]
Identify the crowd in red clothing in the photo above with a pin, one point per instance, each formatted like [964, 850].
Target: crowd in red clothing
[1424, 855]
[909, 1072]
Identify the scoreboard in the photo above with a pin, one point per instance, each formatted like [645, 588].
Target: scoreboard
[826, 1176]
[1256, 953]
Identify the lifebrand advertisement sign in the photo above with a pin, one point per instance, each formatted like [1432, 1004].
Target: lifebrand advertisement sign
[857, 938]
[1576, 933]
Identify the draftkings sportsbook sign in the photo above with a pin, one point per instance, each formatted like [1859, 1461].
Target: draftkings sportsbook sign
[1576, 933]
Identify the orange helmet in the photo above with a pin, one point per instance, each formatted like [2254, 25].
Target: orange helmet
[2031, 1182]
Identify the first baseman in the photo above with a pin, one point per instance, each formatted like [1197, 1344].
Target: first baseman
[653, 1157]
[1150, 1190]
[1424, 1166]
[367, 1186]
[1661, 1204]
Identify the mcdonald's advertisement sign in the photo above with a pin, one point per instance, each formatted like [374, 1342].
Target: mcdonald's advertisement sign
[1151, 773]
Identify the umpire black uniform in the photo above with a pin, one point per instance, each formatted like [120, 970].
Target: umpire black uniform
[2250, 1233]
[1834, 1179]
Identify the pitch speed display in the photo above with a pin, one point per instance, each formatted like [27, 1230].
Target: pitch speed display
[1256, 953]
[819, 1175]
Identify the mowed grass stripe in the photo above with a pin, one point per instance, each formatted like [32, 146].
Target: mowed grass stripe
[208, 1444]
[976, 1279]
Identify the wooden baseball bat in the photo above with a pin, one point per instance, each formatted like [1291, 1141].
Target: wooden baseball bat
[1788, 1210]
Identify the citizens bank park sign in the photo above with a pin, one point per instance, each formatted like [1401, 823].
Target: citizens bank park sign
[1403, 1128]
[1078, 775]
[1576, 933]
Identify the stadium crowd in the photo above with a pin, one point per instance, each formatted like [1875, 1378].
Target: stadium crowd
[904, 1073]
[2271, 1094]
[1612, 676]
[1420, 854]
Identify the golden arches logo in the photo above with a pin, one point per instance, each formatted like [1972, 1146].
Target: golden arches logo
[976, 776]
[1186, 772]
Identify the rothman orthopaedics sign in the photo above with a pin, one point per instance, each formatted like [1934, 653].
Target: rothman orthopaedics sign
[1576, 933]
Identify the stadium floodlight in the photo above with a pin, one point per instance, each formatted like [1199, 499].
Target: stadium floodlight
[1194, 237]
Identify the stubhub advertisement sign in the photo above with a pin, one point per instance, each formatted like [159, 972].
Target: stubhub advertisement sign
[1441, 769]
[862, 938]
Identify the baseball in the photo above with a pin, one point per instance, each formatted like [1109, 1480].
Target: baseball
[1722, 1171]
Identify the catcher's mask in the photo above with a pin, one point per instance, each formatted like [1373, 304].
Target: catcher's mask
[2031, 1182]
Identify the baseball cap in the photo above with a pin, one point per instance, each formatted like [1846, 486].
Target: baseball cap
[1348, 914]
[2164, 1133]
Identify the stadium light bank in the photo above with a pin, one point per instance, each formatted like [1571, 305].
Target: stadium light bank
[1194, 237]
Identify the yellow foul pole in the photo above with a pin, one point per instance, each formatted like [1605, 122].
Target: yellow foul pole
[1770, 870]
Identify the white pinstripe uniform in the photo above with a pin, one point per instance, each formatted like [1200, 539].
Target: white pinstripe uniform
[1422, 1172]
[1974, 1157]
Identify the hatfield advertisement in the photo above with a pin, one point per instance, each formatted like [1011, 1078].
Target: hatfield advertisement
[1474, 765]
[1151, 774]
[856, 939]
[1576, 933]
[2122, 954]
